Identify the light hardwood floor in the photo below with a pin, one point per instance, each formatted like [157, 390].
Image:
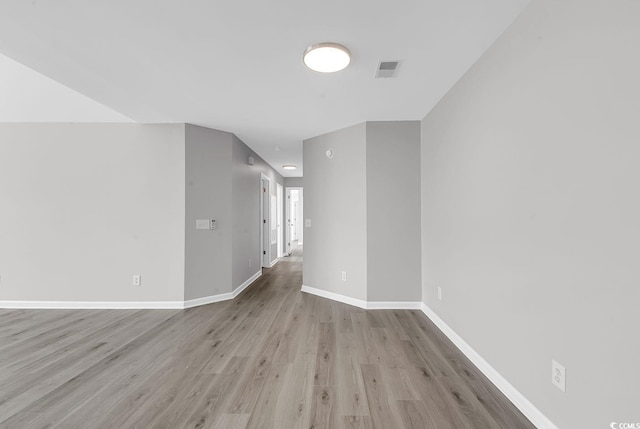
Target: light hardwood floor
[272, 358]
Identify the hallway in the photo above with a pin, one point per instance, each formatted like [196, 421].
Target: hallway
[272, 358]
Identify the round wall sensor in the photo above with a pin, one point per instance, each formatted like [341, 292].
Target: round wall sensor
[330, 153]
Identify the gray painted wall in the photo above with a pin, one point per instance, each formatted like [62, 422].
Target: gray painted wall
[208, 196]
[364, 207]
[335, 201]
[84, 207]
[246, 246]
[530, 210]
[393, 211]
[294, 182]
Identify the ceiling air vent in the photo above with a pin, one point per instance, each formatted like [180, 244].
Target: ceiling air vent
[387, 69]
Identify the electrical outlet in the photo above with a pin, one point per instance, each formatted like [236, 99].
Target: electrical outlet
[249, 262]
[558, 375]
[439, 293]
[344, 276]
[137, 280]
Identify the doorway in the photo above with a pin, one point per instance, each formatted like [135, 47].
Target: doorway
[294, 215]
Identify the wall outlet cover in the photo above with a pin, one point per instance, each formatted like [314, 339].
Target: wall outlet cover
[558, 375]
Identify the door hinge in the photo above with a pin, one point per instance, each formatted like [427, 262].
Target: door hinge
[264, 221]
[264, 252]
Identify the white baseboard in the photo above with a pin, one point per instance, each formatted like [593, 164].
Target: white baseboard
[222, 296]
[91, 305]
[273, 263]
[208, 300]
[128, 305]
[335, 296]
[237, 291]
[517, 398]
[394, 305]
[367, 305]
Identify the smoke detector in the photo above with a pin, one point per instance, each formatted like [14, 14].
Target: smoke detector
[387, 69]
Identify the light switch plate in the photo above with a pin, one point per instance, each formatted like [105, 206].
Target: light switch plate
[307, 223]
[203, 224]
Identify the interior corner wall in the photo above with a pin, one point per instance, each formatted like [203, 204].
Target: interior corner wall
[393, 211]
[335, 202]
[245, 184]
[208, 196]
[84, 207]
[530, 211]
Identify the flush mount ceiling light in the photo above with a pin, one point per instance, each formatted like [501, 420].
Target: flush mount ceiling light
[289, 167]
[326, 57]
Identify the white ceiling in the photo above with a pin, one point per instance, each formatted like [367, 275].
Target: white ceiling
[28, 96]
[237, 66]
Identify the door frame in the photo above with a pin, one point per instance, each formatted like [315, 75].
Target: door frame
[279, 215]
[265, 221]
[287, 240]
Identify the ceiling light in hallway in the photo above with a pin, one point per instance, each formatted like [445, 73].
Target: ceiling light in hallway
[326, 57]
[289, 167]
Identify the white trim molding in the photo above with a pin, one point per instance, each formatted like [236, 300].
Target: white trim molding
[273, 263]
[222, 296]
[196, 302]
[129, 305]
[93, 305]
[237, 291]
[367, 305]
[394, 305]
[335, 296]
[517, 398]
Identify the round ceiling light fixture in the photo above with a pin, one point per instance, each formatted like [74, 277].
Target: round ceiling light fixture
[289, 167]
[326, 57]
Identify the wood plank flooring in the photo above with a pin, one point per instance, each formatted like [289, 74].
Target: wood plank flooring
[272, 358]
